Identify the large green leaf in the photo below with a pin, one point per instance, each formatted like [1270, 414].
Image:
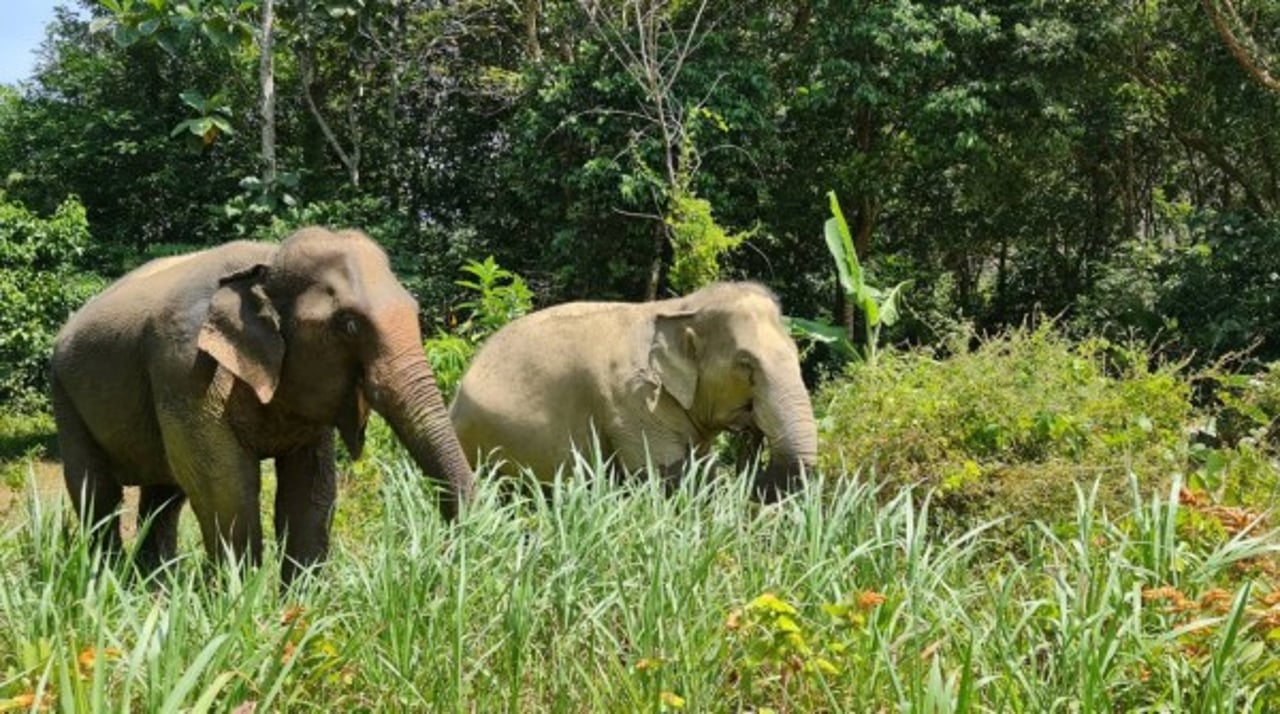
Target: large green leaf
[195, 99]
[890, 306]
[833, 336]
[834, 244]
[845, 254]
[815, 330]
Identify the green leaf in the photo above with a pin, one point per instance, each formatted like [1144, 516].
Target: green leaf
[205, 702]
[784, 623]
[870, 310]
[125, 35]
[815, 330]
[222, 125]
[835, 245]
[890, 306]
[849, 255]
[194, 99]
[192, 675]
[772, 603]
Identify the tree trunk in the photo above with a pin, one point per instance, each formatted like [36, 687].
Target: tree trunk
[655, 268]
[267, 81]
[532, 47]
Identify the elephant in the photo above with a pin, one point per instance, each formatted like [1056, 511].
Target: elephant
[652, 382]
[183, 375]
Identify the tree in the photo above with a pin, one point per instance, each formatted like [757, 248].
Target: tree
[1239, 40]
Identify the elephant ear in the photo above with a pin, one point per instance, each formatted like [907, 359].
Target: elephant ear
[352, 418]
[673, 356]
[242, 331]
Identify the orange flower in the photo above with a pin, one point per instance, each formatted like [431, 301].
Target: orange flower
[733, 622]
[1217, 599]
[1167, 593]
[292, 613]
[868, 599]
[1270, 619]
[1164, 592]
[28, 700]
[1195, 499]
[288, 653]
[1271, 598]
[1234, 520]
[89, 656]
[648, 663]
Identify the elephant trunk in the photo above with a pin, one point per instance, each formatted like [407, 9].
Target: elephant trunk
[403, 390]
[784, 414]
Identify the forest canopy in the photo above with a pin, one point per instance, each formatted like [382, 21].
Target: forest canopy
[1111, 164]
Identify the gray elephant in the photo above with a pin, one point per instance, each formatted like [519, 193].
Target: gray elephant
[655, 381]
[184, 374]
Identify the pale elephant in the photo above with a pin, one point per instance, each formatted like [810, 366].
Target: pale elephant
[653, 382]
[184, 374]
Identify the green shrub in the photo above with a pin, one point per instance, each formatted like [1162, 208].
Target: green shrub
[698, 243]
[1237, 440]
[1011, 426]
[40, 285]
[1210, 294]
[497, 296]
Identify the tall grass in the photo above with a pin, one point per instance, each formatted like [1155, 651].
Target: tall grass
[598, 597]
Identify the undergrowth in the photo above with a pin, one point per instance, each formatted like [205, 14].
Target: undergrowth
[1012, 427]
[621, 598]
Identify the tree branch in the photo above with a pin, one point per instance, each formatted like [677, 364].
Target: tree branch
[308, 76]
[1243, 56]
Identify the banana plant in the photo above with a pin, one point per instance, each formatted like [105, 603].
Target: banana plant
[879, 307]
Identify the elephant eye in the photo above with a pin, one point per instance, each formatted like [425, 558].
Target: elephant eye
[346, 324]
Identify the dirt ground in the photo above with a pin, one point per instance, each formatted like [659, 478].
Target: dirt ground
[49, 488]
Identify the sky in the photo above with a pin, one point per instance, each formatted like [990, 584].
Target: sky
[21, 32]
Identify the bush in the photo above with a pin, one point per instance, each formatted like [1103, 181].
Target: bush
[1010, 427]
[1213, 295]
[1236, 449]
[40, 285]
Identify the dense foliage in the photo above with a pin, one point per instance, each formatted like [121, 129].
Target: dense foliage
[1020, 512]
[42, 280]
[1010, 428]
[1008, 157]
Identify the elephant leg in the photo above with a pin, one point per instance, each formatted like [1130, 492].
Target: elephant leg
[223, 482]
[158, 511]
[666, 451]
[306, 490]
[229, 516]
[95, 492]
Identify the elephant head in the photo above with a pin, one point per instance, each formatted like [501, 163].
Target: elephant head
[322, 332]
[725, 356]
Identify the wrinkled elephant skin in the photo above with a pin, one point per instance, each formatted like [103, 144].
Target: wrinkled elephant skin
[654, 382]
[186, 373]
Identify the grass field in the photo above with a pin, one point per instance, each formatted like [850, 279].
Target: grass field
[611, 599]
